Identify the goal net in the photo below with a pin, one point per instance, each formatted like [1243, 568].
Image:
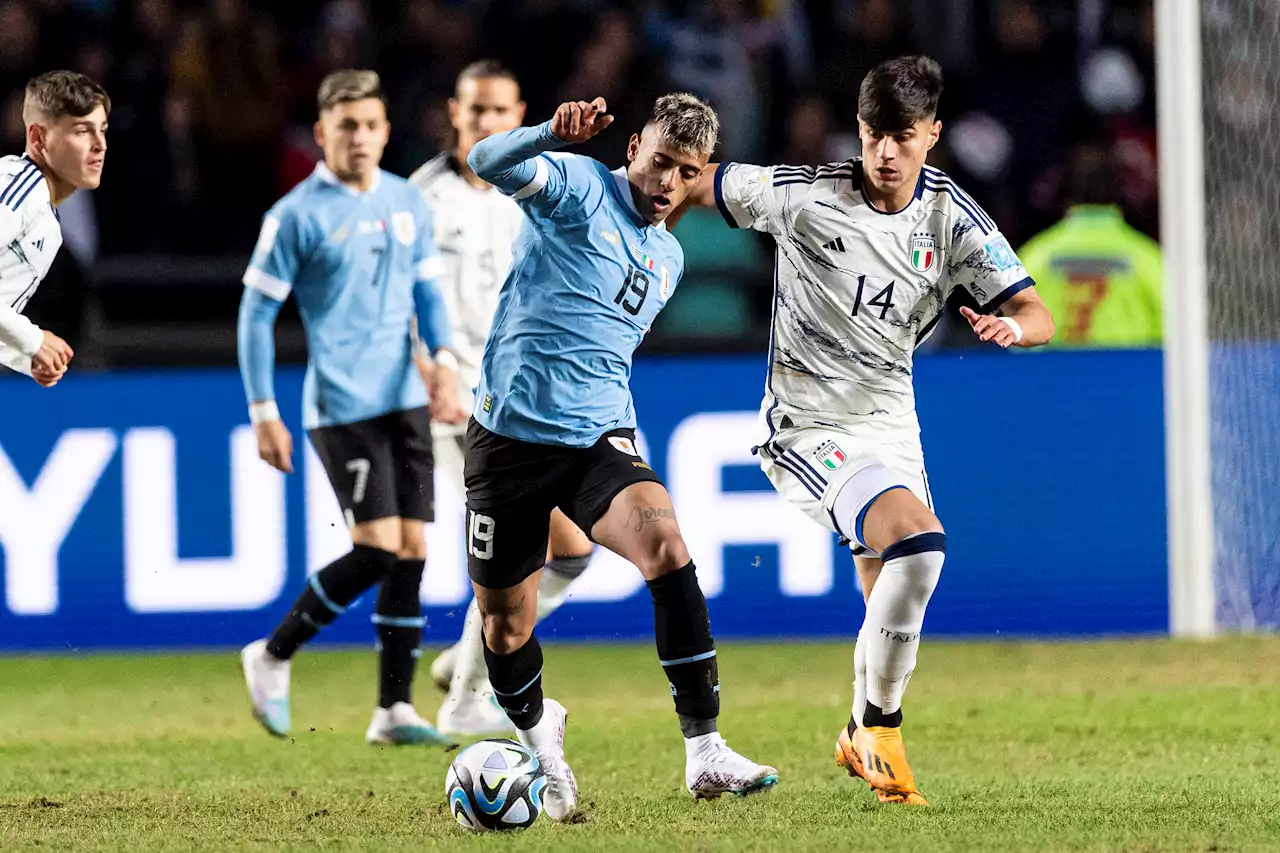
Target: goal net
[1240, 90]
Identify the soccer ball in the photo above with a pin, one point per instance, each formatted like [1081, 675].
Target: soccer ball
[495, 785]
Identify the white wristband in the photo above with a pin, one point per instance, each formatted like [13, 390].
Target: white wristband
[446, 358]
[1013, 327]
[263, 411]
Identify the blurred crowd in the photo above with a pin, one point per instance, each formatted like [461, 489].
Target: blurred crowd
[214, 100]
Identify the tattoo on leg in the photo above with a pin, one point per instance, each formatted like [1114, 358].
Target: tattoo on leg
[512, 607]
[648, 515]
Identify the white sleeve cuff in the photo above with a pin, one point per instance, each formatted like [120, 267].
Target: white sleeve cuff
[429, 268]
[15, 360]
[541, 175]
[19, 332]
[268, 284]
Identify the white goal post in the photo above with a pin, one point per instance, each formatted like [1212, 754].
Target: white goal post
[1192, 598]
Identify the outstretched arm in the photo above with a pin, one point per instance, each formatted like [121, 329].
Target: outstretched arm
[509, 160]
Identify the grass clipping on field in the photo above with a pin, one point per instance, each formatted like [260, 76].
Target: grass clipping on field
[1110, 746]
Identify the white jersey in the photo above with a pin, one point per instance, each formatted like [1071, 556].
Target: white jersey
[475, 230]
[856, 289]
[30, 237]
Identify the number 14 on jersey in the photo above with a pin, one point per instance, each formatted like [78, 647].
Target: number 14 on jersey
[882, 300]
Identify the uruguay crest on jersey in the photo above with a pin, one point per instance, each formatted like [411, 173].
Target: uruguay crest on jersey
[924, 248]
[402, 226]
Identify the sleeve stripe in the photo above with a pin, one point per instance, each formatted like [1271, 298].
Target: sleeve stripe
[718, 188]
[1005, 295]
[973, 213]
[429, 268]
[963, 200]
[268, 284]
[540, 177]
[19, 180]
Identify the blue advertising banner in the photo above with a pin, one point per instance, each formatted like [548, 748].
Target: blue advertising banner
[134, 512]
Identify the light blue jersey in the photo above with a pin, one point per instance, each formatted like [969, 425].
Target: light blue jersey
[361, 265]
[588, 277]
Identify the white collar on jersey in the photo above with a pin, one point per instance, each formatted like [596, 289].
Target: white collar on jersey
[624, 187]
[326, 174]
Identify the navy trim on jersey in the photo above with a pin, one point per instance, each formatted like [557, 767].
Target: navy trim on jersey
[719, 194]
[1005, 295]
[30, 186]
[928, 327]
[773, 333]
[942, 183]
[768, 418]
[18, 182]
[866, 199]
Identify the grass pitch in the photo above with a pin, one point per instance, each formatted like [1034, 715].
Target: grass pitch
[1110, 746]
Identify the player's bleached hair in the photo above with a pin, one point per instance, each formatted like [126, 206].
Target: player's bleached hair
[687, 122]
[55, 94]
[485, 69]
[350, 84]
[897, 93]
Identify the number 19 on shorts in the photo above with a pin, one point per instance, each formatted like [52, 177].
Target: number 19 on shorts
[479, 535]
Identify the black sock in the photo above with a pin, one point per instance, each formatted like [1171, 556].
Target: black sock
[398, 617]
[327, 595]
[686, 651]
[517, 682]
[873, 716]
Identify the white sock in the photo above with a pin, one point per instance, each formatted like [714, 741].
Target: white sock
[553, 586]
[698, 744]
[469, 671]
[895, 615]
[860, 676]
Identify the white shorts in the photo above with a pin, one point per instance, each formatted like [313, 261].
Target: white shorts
[447, 449]
[810, 462]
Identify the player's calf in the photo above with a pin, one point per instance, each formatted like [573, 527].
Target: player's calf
[398, 619]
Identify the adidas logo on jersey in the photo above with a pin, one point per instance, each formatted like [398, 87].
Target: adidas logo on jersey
[836, 245]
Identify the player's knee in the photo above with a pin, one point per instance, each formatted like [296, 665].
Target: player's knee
[504, 634]
[383, 533]
[507, 621]
[662, 554]
[413, 546]
[915, 562]
[412, 550]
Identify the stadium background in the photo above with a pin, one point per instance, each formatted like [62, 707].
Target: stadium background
[136, 515]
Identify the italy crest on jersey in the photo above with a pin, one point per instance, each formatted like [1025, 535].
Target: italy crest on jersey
[402, 227]
[924, 249]
[666, 282]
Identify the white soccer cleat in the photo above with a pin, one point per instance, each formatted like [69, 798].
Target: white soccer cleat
[401, 725]
[712, 769]
[267, 678]
[546, 739]
[442, 667]
[473, 713]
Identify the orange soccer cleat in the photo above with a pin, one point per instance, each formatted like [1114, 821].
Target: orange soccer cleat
[878, 756]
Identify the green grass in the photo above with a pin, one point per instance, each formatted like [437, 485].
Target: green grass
[1114, 746]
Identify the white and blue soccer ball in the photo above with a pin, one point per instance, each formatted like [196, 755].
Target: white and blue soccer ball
[495, 785]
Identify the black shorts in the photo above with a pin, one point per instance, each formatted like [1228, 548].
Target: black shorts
[512, 487]
[382, 467]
